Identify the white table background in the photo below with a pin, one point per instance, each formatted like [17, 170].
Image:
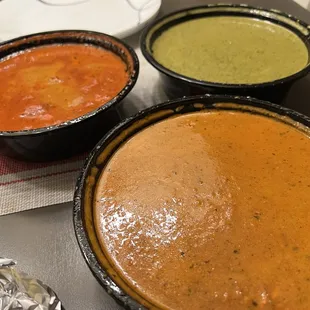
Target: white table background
[304, 3]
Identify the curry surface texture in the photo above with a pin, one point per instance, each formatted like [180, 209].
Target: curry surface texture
[210, 211]
[234, 50]
[48, 85]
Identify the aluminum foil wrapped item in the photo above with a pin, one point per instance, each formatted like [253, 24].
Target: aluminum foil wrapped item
[20, 292]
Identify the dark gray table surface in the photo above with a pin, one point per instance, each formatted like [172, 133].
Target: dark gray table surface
[43, 240]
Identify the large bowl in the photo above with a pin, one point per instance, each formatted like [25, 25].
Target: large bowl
[177, 85]
[99, 261]
[79, 134]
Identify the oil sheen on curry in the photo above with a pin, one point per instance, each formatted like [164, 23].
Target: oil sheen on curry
[210, 210]
[231, 49]
[49, 85]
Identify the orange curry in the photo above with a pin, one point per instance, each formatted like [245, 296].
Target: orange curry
[210, 211]
[52, 84]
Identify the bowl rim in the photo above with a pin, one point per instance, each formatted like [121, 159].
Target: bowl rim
[233, 86]
[132, 79]
[100, 273]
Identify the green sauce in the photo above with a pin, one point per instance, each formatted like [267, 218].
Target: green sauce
[234, 50]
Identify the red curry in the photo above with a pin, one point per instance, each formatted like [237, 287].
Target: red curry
[56, 83]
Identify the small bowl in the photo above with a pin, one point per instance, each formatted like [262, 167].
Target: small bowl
[98, 260]
[177, 85]
[79, 134]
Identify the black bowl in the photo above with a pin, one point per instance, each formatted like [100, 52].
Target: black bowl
[77, 135]
[177, 85]
[83, 218]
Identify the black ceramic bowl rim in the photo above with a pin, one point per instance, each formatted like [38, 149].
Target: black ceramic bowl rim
[260, 13]
[132, 79]
[100, 273]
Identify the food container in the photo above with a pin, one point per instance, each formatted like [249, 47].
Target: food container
[79, 134]
[177, 85]
[96, 257]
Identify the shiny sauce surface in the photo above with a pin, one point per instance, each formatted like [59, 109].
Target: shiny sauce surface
[49, 85]
[210, 211]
